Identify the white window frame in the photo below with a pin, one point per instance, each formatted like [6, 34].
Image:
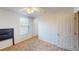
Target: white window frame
[24, 25]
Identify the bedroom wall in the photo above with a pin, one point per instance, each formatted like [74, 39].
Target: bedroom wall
[9, 19]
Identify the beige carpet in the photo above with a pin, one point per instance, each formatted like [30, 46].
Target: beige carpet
[44, 46]
[33, 44]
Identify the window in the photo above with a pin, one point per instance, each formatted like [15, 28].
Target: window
[24, 25]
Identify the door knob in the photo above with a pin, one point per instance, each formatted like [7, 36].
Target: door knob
[58, 34]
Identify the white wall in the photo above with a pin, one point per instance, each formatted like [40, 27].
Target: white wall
[50, 24]
[76, 9]
[10, 19]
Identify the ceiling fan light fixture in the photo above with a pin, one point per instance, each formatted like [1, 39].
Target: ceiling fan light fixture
[30, 10]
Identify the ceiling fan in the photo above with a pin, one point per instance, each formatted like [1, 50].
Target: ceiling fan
[30, 10]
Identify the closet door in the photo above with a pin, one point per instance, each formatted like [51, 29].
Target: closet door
[60, 33]
[65, 31]
[69, 36]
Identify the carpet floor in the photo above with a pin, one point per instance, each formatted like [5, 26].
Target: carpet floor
[33, 44]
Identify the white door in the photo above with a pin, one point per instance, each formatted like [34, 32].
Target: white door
[65, 31]
[69, 36]
[60, 32]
